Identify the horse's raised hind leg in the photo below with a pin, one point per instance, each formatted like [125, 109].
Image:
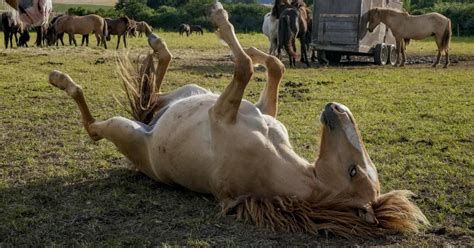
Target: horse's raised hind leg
[129, 136]
[227, 105]
[268, 100]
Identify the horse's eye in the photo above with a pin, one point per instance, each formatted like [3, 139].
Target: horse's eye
[353, 171]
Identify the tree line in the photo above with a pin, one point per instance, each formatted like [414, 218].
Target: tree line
[247, 15]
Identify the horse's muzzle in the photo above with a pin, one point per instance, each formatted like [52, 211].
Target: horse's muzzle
[330, 114]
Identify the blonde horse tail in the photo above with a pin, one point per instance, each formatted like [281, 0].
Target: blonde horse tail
[446, 37]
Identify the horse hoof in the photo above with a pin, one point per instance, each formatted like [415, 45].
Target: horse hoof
[64, 82]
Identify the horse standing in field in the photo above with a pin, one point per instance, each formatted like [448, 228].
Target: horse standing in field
[293, 23]
[60, 36]
[196, 28]
[33, 13]
[132, 32]
[405, 27]
[143, 27]
[84, 25]
[118, 27]
[11, 26]
[239, 152]
[270, 29]
[184, 28]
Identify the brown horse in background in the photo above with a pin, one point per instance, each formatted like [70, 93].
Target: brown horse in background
[293, 23]
[84, 25]
[60, 37]
[405, 27]
[143, 27]
[118, 27]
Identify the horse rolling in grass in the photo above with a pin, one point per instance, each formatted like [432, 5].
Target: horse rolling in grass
[239, 152]
[405, 27]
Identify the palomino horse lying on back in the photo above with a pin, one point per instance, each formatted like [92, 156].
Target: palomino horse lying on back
[405, 27]
[239, 152]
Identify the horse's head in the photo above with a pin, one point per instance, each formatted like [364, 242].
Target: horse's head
[51, 35]
[374, 19]
[343, 165]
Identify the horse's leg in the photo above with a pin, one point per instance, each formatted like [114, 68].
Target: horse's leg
[124, 40]
[447, 59]
[73, 38]
[129, 136]
[118, 41]
[398, 44]
[403, 51]
[268, 100]
[227, 105]
[438, 58]
[16, 39]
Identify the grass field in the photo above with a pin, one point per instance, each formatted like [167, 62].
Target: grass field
[58, 188]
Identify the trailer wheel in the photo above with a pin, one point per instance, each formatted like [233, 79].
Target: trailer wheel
[381, 54]
[333, 57]
[392, 54]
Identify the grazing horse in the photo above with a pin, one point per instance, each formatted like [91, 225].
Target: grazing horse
[33, 13]
[239, 152]
[405, 27]
[196, 28]
[184, 28]
[11, 26]
[60, 37]
[270, 29]
[118, 27]
[84, 25]
[293, 24]
[143, 27]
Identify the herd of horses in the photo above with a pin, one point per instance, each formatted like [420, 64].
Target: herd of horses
[291, 19]
[102, 28]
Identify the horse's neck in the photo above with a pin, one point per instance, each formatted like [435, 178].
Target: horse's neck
[392, 18]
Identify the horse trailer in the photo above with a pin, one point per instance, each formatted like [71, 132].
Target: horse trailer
[340, 28]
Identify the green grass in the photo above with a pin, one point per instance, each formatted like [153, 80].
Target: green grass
[62, 7]
[59, 188]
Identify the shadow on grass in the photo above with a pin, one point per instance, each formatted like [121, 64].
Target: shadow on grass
[123, 207]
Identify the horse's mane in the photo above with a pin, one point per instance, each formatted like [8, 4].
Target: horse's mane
[394, 211]
[398, 11]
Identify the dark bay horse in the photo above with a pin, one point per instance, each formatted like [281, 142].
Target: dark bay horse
[196, 28]
[293, 23]
[118, 27]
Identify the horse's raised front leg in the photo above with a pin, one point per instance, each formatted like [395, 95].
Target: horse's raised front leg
[129, 136]
[227, 105]
[268, 100]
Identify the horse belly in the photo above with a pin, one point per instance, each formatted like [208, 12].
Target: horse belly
[180, 148]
